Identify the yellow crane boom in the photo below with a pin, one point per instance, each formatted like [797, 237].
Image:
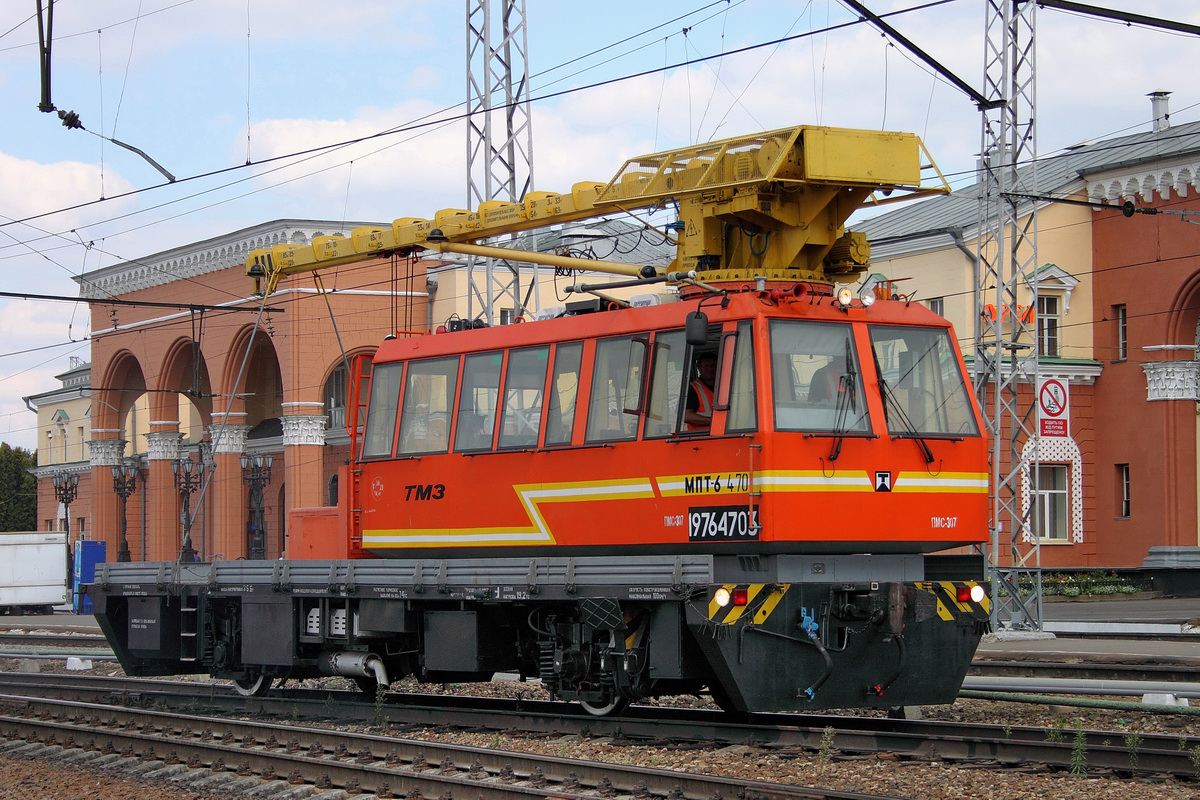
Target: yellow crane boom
[770, 205]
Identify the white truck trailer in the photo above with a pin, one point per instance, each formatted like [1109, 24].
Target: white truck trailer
[33, 571]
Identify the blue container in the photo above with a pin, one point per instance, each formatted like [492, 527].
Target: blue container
[87, 556]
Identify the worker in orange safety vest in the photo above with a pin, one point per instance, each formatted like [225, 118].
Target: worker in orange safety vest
[697, 415]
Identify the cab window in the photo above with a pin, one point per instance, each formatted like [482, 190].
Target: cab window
[476, 420]
[923, 388]
[666, 385]
[524, 384]
[428, 393]
[616, 384]
[563, 392]
[743, 397]
[816, 382]
[381, 417]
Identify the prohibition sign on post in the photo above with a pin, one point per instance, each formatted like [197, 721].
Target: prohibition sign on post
[1053, 408]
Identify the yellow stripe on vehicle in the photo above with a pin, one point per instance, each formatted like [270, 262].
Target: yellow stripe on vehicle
[769, 604]
[812, 480]
[532, 496]
[945, 482]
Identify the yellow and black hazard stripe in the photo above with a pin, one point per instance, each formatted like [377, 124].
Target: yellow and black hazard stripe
[949, 607]
[761, 600]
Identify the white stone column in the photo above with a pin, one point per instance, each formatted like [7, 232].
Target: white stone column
[303, 443]
[304, 429]
[228, 439]
[163, 446]
[106, 452]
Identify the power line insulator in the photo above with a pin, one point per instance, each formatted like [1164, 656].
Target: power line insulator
[69, 119]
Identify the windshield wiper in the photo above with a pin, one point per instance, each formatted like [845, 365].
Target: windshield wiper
[892, 407]
[847, 401]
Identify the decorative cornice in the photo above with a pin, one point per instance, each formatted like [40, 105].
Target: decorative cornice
[1145, 182]
[72, 468]
[1082, 372]
[202, 258]
[1054, 278]
[304, 429]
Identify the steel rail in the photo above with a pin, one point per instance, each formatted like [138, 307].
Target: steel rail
[354, 761]
[82, 640]
[1004, 746]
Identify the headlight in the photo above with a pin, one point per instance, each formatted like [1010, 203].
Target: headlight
[721, 597]
[978, 593]
[845, 295]
[867, 296]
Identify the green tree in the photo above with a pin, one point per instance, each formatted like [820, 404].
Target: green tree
[18, 489]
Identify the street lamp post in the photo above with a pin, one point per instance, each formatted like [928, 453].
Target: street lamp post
[187, 480]
[124, 484]
[66, 488]
[256, 472]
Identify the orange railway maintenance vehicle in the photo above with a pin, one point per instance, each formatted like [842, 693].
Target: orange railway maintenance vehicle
[560, 500]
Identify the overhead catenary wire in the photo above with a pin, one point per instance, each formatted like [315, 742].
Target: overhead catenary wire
[664, 68]
[420, 125]
[714, 4]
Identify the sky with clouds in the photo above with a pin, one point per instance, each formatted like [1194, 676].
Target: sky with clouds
[223, 93]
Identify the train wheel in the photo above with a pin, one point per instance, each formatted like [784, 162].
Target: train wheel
[256, 685]
[610, 709]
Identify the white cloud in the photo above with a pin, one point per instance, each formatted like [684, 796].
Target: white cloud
[28, 188]
[412, 173]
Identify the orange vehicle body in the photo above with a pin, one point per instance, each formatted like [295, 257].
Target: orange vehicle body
[877, 494]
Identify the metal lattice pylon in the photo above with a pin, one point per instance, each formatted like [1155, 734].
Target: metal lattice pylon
[1006, 346]
[499, 143]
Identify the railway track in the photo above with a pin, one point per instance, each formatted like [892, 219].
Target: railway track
[788, 735]
[219, 753]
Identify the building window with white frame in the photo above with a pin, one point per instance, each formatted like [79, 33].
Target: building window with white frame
[1048, 320]
[937, 305]
[1051, 501]
[1122, 320]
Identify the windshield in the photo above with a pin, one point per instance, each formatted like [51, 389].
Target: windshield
[816, 383]
[923, 386]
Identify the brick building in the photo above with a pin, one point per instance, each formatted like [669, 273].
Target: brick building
[244, 378]
[1118, 298]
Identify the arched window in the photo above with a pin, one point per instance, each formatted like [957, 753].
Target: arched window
[336, 392]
